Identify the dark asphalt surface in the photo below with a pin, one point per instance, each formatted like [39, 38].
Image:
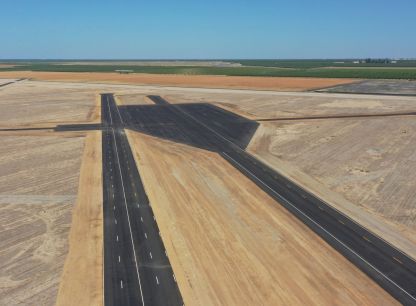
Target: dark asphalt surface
[392, 269]
[136, 268]
[376, 87]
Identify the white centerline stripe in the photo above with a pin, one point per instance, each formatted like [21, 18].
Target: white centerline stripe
[321, 227]
[125, 203]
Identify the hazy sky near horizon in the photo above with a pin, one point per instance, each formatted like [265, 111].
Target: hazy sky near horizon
[161, 29]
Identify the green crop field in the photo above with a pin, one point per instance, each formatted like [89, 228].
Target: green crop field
[305, 64]
[267, 68]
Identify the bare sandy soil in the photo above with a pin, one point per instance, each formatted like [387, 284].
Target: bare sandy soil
[38, 184]
[134, 99]
[361, 166]
[230, 244]
[228, 232]
[39, 165]
[4, 81]
[30, 102]
[259, 105]
[81, 282]
[269, 83]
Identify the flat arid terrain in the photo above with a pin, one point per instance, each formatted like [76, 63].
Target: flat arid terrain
[265, 83]
[38, 187]
[228, 242]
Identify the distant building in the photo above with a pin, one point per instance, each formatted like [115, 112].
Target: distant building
[124, 71]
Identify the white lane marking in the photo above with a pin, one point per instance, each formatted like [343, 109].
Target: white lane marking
[121, 284]
[138, 205]
[113, 195]
[117, 238]
[151, 257]
[322, 228]
[114, 207]
[145, 235]
[174, 277]
[119, 258]
[157, 280]
[121, 119]
[166, 253]
[141, 219]
[115, 220]
[128, 216]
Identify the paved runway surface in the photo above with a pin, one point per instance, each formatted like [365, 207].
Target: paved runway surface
[392, 269]
[379, 87]
[136, 268]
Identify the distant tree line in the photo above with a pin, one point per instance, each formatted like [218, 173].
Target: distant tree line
[376, 61]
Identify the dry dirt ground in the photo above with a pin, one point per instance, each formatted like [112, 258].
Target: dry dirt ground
[230, 244]
[4, 81]
[361, 165]
[269, 83]
[232, 226]
[39, 178]
[81, 282]
[38, 187]
[258, 106]
[25, 103]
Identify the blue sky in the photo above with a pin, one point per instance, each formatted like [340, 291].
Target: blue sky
[161, 29]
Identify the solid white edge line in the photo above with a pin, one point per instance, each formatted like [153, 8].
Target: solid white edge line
[294, 183]
[125, 203]
[343, 244]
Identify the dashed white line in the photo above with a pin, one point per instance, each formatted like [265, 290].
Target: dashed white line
[157, 280]
[121, 284]
[119, 259]
[115, 220]
[145, 235]
[174, 277]
[141, 219]
[321, 227]
[128, 216]
[151, 257]
[117, 238]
